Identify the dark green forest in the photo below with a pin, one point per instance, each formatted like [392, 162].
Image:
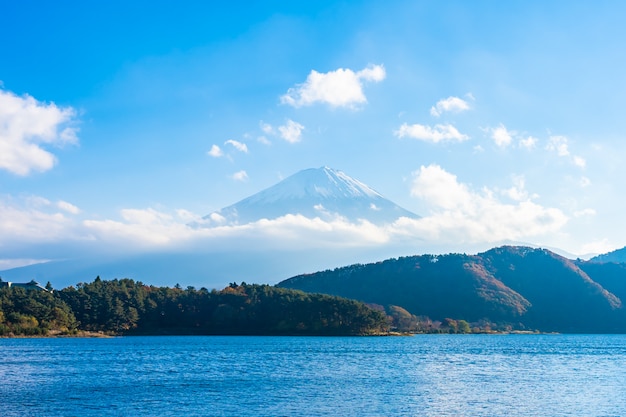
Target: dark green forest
[126, 307]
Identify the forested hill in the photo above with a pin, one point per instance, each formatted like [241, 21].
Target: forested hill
[128, 307]
[522, 287]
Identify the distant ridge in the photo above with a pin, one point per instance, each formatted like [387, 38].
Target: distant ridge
[617, 256]
[323, 192]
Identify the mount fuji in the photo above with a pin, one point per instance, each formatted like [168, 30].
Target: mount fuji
[323, 193]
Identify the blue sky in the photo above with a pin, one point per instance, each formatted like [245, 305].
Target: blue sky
[120, 122]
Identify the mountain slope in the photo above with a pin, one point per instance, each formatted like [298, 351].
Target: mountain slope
[324, 192]
[563, 297]
[610, 275]
[534, 287]
[455, 286]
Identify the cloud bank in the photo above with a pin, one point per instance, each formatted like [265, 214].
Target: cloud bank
[457, 214]
[460, 214]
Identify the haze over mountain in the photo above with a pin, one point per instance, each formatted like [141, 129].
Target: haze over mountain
[312, 196]
[313, 220]
[323, 193]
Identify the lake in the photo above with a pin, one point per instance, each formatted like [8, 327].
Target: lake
[424, 375]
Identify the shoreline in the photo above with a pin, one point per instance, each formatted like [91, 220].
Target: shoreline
[103, 335]
[55, 334]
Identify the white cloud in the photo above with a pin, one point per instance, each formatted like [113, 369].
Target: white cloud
[217, 218]
[579, 161]
[34, 219]
[149, 228]
[450, 104]
[215, 152]
[187, 216]
[241, 147]
[35, 201]
[463, 215]
[25, 125]
[147, 216]
[339, 88]
[558, 144]
[291, 131]
[152, 230]
[240, 176]
[68, 207]
[426, 133]
[501, 136]
[528, 143]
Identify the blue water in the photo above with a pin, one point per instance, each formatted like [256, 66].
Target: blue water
[430, 375]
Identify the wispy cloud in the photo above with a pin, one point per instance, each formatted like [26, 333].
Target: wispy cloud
[517, 191]
[68, 207]
[585, 212]
[339, 88]
[528, 143]
[241, 147]
[585, 182]
[450, 104]
[426, 133]
[25, 125]
[34, 219]
[266, 128]
[291, 131]
[560, 145]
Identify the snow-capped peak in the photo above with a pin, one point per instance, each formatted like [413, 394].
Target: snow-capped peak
[308, 190]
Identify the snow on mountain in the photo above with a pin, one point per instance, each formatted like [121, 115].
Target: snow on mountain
[323, 192]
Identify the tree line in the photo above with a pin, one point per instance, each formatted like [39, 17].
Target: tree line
[127, 307]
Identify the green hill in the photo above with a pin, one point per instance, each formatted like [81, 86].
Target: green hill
[524, 287]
